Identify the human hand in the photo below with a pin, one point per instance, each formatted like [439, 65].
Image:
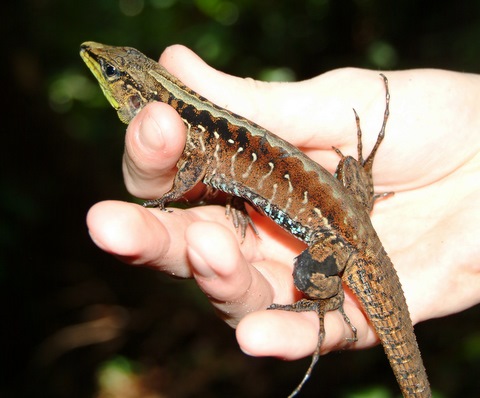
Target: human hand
[429, 158]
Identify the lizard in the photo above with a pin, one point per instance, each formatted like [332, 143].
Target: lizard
[330, 213]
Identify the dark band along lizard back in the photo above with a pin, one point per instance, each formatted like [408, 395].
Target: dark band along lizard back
[329, 213]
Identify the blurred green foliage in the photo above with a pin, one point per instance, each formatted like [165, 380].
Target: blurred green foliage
[79, 324]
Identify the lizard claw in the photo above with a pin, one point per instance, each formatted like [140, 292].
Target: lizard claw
[353, 339]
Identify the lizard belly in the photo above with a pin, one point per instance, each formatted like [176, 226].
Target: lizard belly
[281, 217]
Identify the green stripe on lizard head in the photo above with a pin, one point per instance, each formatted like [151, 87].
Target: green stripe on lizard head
[96, 69]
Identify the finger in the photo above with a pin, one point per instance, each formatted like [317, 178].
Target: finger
[155, 238]
[292, 335]
[209, 82]
[153, 144]
[140, 236]
[233, 285]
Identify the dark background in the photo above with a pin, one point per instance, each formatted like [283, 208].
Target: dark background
[78, 323]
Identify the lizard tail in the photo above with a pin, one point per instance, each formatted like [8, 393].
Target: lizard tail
[380, 293]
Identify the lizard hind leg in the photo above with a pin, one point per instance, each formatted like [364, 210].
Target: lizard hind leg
[320, 307]
[367, 163]
[354, 338]
[356, 174]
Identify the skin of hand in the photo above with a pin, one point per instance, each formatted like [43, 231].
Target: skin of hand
[429, 158]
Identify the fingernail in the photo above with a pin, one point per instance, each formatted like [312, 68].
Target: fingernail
[150, 134]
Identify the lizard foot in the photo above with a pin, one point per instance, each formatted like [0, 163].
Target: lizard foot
[156, 203]
[235, 207]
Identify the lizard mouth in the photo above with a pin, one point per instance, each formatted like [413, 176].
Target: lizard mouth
[91, 60]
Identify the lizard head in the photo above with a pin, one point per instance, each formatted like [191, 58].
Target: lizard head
[122, 74]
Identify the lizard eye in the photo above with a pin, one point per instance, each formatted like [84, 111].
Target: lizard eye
[110, 71]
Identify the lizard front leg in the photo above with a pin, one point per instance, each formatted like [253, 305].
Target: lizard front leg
[191, 166]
